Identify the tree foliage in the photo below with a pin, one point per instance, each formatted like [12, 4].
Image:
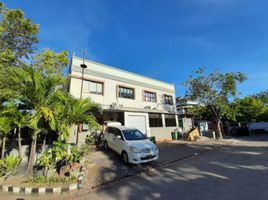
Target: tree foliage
[214, 92]
[50, 63]
[33, 84]
[17, 37]
[251, 108]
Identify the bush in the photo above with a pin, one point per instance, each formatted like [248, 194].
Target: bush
[46, 160]
[90, 139]
[9, 165]
[51, 180]
[85, 149]
[59, 155]
[74, 155]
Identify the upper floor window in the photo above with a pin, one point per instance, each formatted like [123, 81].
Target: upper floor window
[149, 96]
[168, 99]
[125, 92]
[93, 87]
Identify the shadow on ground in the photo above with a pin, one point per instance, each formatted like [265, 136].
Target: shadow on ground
[209, 172]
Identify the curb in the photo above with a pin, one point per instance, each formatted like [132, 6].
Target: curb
[45, 190]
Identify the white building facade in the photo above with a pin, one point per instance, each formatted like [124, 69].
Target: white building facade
[134, 100]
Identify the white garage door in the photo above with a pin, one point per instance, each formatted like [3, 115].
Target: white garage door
[137, 121]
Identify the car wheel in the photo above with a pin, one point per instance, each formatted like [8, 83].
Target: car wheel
[105, 144]
[124, 157]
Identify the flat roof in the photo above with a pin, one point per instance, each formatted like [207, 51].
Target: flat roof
[122, 70]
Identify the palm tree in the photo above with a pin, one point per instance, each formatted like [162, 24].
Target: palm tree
[34, 91]
[70, 110]
[19, 119]
[5, 128]
[50, 106]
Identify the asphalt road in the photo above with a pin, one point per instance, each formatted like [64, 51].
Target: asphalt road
[236, 172]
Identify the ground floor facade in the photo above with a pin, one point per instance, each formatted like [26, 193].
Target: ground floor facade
[158, 125]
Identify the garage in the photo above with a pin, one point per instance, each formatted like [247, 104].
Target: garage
[137, 120]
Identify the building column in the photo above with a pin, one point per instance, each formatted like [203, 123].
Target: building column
[163, 120]
[177, 120]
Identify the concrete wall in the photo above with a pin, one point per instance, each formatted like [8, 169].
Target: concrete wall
[162, 133]
[73, 135]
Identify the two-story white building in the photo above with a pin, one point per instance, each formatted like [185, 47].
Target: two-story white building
[132, 99]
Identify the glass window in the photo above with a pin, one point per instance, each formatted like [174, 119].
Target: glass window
[93, 87]
[149, 96]
[168, 99]
[117, 132]
[170, 120]
[125, 92]
[155, 120]
[133, 134]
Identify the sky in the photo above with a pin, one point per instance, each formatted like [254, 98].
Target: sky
[161, 39]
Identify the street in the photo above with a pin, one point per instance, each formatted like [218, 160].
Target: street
[228, 172]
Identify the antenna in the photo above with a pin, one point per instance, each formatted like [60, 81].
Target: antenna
[84, 56]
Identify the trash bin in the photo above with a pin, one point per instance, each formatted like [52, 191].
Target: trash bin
[174, 135]
[179, 135]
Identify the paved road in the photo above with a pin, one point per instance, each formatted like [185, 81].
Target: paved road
[236, 172]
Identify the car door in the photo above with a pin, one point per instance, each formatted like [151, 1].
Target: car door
[118, 142]
[110, 137]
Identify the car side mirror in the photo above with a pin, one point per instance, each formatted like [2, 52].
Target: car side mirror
[119, 137]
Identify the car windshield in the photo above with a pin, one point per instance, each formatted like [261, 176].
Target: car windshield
[133, 134]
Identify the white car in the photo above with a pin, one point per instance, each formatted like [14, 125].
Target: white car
[133, 146]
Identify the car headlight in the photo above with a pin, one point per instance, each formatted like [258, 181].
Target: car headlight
[134, 149]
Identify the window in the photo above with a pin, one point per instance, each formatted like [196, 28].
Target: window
[168, 99]
[133, 134]
[125, 92]
[170, 120]
[149, 96]
[155, 120]
[93, 87]
[117, 132]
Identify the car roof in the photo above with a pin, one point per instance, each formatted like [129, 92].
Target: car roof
[122, 127]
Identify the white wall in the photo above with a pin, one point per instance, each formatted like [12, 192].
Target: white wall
[112, 78]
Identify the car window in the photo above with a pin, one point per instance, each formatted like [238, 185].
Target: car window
[110, 130]
[133, 134]
[117, 132]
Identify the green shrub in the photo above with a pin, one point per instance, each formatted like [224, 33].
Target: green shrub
[51, 180]
[9, 165]
[59, 151]
[90, 140]
[46, 160]
[74, 155]
[86, 149]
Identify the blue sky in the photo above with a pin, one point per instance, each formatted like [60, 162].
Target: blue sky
[162, 39]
